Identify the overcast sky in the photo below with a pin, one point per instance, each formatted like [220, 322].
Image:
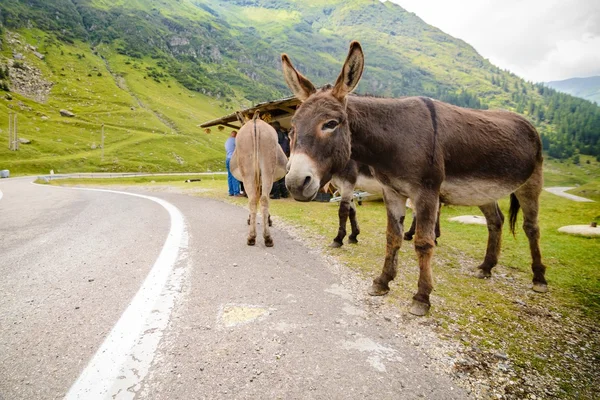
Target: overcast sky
[537, 40]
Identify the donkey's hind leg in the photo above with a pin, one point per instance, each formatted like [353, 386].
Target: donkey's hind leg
[495, 220]
[264, 210]
[528, 197]
[252, 204]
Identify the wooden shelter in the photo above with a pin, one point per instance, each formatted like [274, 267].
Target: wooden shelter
[277, 110]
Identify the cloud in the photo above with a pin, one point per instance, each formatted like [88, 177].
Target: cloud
[537, 40]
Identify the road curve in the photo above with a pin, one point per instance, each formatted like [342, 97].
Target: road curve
[71, 262]
[562, 192]
[250, 322]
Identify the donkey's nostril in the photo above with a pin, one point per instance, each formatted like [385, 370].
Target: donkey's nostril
[306, 181]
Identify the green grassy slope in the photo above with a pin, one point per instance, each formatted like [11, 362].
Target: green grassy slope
[149, 126]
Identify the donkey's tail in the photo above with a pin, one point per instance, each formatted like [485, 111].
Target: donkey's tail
[513, 211]
[256, 158]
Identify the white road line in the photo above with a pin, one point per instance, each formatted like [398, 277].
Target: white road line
[123, 360]
[1, 194]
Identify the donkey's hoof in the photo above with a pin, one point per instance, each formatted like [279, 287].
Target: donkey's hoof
[352, 240]
[408, 237]
[269, 242]
[418, 308]
[539, 287]
[378, 289]
[336, 245]
[251, 241]
[483, 274]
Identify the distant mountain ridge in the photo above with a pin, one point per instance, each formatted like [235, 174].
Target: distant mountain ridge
[586, 88]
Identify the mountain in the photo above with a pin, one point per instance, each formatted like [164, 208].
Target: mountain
[152, 70]
[586, 88]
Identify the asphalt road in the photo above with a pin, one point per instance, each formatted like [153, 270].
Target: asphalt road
[108, 295]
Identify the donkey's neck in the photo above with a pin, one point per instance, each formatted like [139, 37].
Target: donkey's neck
[372, 122]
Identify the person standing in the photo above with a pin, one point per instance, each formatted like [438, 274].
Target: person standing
[232, 183]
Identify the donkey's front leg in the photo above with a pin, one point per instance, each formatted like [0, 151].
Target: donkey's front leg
[346, 192]
[354, 224]
[396, 207]
[427, 208]
[343, 213]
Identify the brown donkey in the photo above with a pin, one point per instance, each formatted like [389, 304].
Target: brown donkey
[423, 149]
[258, 161]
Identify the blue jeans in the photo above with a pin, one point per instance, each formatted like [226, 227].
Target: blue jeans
[234, 184]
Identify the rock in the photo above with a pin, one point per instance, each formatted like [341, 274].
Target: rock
[93, 146]
[469, 219]
[7, 96]
[18, 56]
[66, 113]
[38, 55]
[24, 141]
[582, 230]
[44, 118]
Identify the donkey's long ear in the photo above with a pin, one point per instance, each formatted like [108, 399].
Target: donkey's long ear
[351, 72]
[301, 87]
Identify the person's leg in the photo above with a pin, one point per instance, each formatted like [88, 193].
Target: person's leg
[230, 178]
[236, 187]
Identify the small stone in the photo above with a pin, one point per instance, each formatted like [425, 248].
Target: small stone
[66, 113]
[235, 264]
[501, 356]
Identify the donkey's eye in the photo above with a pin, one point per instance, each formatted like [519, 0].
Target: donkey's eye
[330, 125]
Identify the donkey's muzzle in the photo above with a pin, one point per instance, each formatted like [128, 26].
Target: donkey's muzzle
[302, 187]
[302, 180]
